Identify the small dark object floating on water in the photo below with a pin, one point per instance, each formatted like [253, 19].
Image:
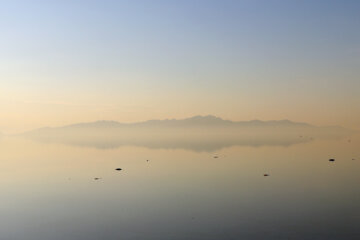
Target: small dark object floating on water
[216, 157]
[97, 178]
[118, 169]
[266, 175]
[147, 160]
[331, 160]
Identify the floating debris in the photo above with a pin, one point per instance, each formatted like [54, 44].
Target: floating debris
[118, 169]
[266, 175]
[331, 160]
[216, 157]
[147, 160]
[97, 178]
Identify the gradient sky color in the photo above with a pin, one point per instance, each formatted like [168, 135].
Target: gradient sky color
[77, 61]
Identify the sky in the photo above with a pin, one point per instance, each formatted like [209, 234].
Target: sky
[63, 62]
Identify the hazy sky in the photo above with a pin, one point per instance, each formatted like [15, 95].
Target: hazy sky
[76, 61]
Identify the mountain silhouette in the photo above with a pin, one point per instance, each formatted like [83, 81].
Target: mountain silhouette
[196, 121]
[199, 133]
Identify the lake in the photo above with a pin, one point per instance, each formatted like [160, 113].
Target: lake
[49, 191]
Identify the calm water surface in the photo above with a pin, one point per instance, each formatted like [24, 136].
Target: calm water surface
[48, 191]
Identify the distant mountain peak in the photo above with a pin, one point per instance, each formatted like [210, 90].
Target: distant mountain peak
[100, 123]
[198, 121]
[205, 117]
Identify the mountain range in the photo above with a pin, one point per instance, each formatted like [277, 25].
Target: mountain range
[196, 121]
[200, 133]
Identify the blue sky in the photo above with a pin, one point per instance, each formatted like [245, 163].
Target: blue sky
[158, 59]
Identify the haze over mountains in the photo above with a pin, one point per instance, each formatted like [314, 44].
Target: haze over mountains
[209, 122]
[197, 133]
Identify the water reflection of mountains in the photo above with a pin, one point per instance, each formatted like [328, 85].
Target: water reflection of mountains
[197, 134]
